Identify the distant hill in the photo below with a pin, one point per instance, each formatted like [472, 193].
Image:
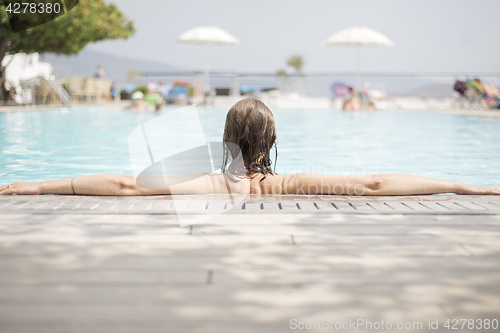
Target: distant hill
[85, 63]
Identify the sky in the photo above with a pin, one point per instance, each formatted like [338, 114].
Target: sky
[452, 36]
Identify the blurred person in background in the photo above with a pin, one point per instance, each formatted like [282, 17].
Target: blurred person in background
[163, 89]
[7, 92]
[138, 104]
[353, 103]
[99, 73]
[153, 97]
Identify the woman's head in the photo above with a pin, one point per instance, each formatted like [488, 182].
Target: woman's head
[250, 130]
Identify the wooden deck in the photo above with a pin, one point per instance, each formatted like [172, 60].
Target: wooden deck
[88, 264]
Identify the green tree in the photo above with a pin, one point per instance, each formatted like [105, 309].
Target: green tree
[281, 76]
[296, 62]
[281, 73]
[89, 21]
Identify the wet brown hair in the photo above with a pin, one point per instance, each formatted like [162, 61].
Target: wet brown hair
[250, 130]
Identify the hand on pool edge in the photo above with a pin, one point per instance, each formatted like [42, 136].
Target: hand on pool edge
[21, 188]
[477, 190]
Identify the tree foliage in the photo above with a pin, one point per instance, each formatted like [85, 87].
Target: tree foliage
[296, 62]
[89, 21]
[281, 73]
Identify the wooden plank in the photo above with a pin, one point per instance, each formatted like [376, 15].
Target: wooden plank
[281, 272]
[105, 276]
[258, 260]
[127, 233]
[162, 311]
[200, 247]
[170, 324]
[72, 293]
[238, 220]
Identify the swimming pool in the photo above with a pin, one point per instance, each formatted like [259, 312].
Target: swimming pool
[48, 144]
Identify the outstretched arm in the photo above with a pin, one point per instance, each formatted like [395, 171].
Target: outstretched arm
[126, 185]
[388, 184]
[86, 185]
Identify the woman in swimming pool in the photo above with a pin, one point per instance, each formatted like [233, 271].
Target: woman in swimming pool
[250, 130]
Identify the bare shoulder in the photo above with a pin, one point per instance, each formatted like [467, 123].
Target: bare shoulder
[222, 184]
[272, 184]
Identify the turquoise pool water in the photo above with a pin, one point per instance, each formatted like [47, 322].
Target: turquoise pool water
[47, 144]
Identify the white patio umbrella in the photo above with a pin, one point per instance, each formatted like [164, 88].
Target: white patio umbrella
[358, 37]
[207, 36]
